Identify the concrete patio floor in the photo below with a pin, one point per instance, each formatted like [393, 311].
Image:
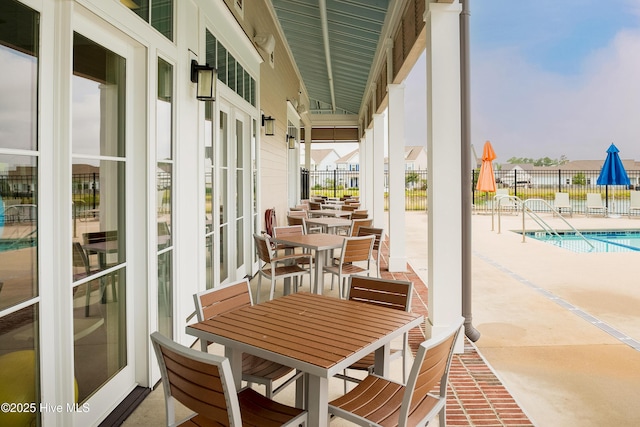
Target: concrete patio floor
[557, 330]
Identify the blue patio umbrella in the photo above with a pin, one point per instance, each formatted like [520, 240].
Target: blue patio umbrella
[612, 172]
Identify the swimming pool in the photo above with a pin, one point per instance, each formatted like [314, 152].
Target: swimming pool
[13, 244]
[602, 240]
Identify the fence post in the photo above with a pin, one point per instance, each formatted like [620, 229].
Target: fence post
[515, 182]
[559, 180]
[335, 181]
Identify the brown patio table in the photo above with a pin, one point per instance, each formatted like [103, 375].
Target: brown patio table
[318, 335]
[329, 224]
[321, 243]
[329, 212]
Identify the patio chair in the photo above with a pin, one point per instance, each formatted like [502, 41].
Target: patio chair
[561, 202]
[359, 215]
[204, 383]
[394, 294]
[278, 267]
[357, 223]
[378, 232]
[505, 203]
[377, 401]
[634, 202]
[354, 249]
[295, 230]
[82, 270]
[595, 204]
[233, 296]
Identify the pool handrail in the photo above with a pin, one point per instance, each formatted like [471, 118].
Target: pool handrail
[534, 215]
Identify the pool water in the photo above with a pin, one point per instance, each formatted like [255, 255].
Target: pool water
[602, 240]
[13, 244]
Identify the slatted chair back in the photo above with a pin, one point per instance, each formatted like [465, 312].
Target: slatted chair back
[413, 404]
[223, 299]
[357, 223]
[300, 213]
[80, 261]
[430, 368]
[263, 248]
[394, 294]
[286, 231]
[314, 206]
[200, 381]
[348, 208]
[356, 215]
[356, 249]
[372, 231]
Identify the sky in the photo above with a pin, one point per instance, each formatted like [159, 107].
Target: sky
[548, 78]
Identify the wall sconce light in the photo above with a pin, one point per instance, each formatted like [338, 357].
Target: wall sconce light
[269, 124]
[205, 77]
[291, 140]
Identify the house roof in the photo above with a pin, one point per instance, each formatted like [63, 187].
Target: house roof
[411, 152]
[629, 164]
[347, 158]
[318, 156]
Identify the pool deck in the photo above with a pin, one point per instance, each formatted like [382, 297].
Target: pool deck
[558, 330]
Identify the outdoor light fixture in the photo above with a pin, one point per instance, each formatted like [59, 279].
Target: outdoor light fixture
[291, 140]
[205, 77]
[269, 124]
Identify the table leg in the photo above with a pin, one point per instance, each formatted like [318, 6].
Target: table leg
[317, 401]
[320, 262]
[381, 364]
[235, 360]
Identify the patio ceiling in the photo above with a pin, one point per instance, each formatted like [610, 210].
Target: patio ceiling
[334, 43]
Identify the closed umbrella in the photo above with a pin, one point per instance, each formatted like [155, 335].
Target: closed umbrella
[486, 179]
[612, 172]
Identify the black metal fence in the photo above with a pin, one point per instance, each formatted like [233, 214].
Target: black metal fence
[538, 184]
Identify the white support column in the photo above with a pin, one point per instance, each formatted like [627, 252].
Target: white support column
[379, 132]
[444, 165]
[367, 158]
[397, 240]
[307, 147]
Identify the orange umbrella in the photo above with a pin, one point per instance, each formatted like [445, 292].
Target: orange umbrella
[486, 179]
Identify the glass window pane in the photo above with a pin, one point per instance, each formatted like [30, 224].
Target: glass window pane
[209, 262]
[162, 17]
[240, 80]
[19, 367]
[240, 241]
[252, 94]
[98, 99]
[232, 73]
[165, 294]
[99, 327]
[140, 7]
[19, 84]
[164, 179]
[164, 106]
[18, 229]
[222, 63]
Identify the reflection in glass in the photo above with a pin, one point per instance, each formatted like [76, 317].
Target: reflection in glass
[99, 327]
[232, 73]
[164, 178]
[165, 293]
[164, 109]
[222, 62]
[224, 264]
[19, 367]
[98, 92]
[99, 226]
[18, 229]
[209, 261]
[19, 83]
[161, 14]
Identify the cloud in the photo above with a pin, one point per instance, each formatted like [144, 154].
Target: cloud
[528, 112]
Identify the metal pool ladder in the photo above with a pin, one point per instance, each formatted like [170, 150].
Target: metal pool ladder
[547, 228]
